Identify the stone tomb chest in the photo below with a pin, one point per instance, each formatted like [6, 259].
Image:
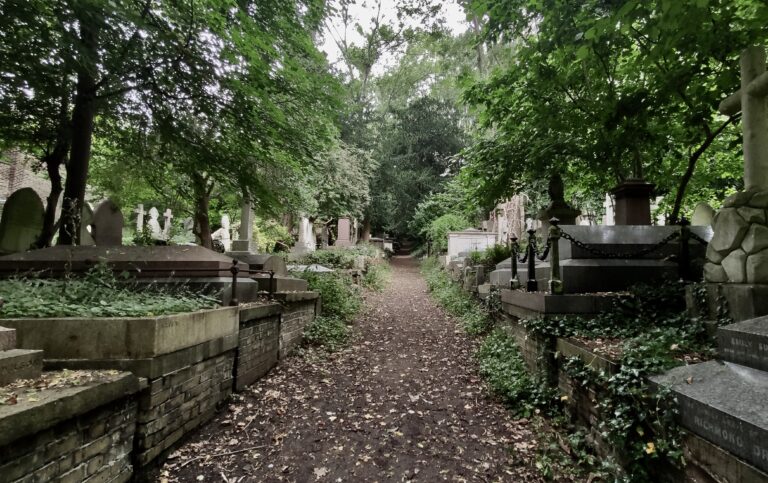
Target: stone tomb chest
[600, 262]
[194, 266]
[469, 241]
[281, 280]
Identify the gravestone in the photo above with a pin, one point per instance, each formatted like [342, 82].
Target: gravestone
[107, 227]
[609, 218]
[306, 242]
[343, 238]
[21, 222]
[154, 225]
[168, 216]
[244, 243]
[723, 401]
[86, 220]
[703, 214]
[140, 218]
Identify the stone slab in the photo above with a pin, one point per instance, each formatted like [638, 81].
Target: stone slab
[123, 338]
[745, 343]
[725, 404]
[611, 275]
[259, 311]
[177, 262]
[522, 304]
[280, 284]
[709, 462]
[20, 364]
[261, 261]
[153, 367]
[627, 239]
[7, 338]
[55, 405]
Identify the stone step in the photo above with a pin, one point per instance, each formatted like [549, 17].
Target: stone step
[724, 403]
[20, 364]
[7, 339]
[745, 343]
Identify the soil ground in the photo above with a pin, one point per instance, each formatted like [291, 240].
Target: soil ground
[403, 402]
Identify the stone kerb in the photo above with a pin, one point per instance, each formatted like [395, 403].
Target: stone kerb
[78, 433]
[123, 338]
[738, 252]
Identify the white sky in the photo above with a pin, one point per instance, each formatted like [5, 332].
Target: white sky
[364, 10]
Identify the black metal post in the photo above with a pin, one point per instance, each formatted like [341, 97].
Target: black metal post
[514, 282]
[532, 285]
[234, 270]
[272, 284]
[555, 281]
[684, 263]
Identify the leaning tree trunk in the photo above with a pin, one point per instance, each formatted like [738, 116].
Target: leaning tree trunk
[83, 115]
[366, 236]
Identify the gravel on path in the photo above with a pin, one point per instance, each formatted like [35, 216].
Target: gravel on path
[403, 402]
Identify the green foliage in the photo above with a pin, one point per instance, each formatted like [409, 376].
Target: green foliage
[474, 318]
[99, 293]
[377, 276]
[340, 298]
[439, 228]
[271, 236]
[330, 333]
[342, 258]
[506, 373]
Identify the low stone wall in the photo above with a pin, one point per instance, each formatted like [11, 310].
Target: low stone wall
[538, 352]
[300, 309]
[259, 343]
[83, 433]
[177, 402]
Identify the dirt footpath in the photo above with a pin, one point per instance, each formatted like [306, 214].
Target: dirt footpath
[403, 402]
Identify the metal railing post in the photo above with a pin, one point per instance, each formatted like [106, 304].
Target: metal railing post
[532, 285]
[514, 281]
[234, 270]
[555, 280]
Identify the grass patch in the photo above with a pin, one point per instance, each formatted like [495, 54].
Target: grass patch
[98, 293]
[329, 333]
[377, 276]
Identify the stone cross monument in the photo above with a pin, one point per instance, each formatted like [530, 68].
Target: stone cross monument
[168, 215]
[738, 252]
[140, 218]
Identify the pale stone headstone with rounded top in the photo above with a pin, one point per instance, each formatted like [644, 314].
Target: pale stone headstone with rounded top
[107, 225]
[22, 221]
[702, 215]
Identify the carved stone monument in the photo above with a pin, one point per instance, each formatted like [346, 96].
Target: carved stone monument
[21, 222]
[245, 243]
[107, 227]
[344, 236]
[557, 208]
[633, 202]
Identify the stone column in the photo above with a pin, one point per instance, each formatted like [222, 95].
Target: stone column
[244, 243]
[754, 119]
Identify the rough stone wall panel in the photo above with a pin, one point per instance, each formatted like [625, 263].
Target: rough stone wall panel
[258, 349]
[296, 317]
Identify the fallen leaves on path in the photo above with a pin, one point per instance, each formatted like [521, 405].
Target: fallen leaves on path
[403, 402]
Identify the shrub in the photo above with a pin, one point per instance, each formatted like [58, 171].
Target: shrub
[340, 298]
[439, 228]
[377, 277]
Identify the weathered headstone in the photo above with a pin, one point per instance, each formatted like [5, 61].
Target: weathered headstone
[168, 216]
[154, 226]
[703, 214]
[22, 221]
[609, 217]
[306, 242]
[107, 225]
[245, 241]
[343, 238]
[140, 218]
[223, 235]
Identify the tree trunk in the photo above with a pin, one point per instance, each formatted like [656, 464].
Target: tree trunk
[202, 202]
[53, 162]
[83, 115]
[366, 236]
[674, 217]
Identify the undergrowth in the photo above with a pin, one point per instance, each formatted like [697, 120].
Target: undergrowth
[330, 333]
[377, 276]
[97, 293]
[475, 320]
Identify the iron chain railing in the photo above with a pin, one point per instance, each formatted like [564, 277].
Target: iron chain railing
[552, 248]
